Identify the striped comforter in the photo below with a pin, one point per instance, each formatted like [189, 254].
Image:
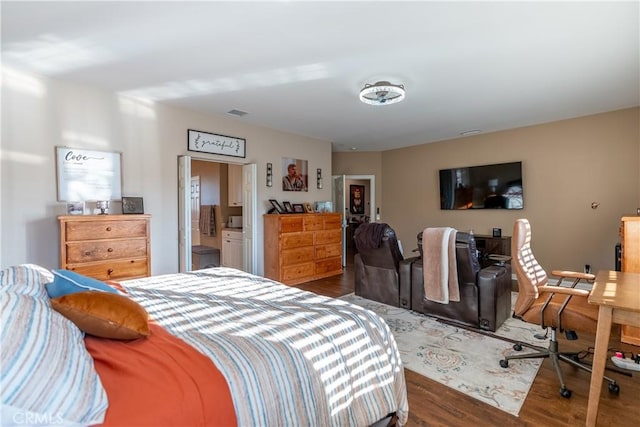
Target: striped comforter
[290, 357]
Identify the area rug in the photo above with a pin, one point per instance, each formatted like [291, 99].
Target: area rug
[462, 359]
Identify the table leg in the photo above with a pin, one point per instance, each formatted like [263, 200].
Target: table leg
[603, 333]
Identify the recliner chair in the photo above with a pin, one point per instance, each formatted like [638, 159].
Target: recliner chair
[485, 294]
[377, 263]
[551, 306]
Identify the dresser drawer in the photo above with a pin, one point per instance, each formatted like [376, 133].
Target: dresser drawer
[328, 251]
[105, 250]
[329, 265]
[296, 240]
[332, 222]
[328, 236]
[227, 234]
[297, 271]
[297, 255]
[313, 223]
[113, 270]
[291, 224]
[96, 230]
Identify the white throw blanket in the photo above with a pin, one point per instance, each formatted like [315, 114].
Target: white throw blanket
[439, 265]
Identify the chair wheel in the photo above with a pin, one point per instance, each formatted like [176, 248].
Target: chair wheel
[565, 392]
[517, 347]
[614, 388]
[504, 363]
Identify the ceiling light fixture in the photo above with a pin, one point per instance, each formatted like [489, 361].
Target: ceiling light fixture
[382, 93]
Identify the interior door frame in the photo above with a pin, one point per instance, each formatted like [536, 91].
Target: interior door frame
[249, 212]
[339, 205]
[373, 213]
[184, 213]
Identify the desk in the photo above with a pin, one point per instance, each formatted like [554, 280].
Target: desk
[618, 295]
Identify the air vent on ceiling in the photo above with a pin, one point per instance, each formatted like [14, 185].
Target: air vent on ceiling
[238, 113]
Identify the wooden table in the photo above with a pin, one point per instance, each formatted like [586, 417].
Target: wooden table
[618, 295]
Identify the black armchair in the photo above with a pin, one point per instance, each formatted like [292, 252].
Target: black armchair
[485, 294]
[377, 264]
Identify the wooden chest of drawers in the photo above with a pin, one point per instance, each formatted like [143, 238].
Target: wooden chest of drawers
[630, 238]
[106, 247]
[304, 247]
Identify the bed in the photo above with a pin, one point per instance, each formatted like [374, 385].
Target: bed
[222, 347]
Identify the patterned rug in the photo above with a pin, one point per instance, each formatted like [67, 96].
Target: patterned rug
[462, 359]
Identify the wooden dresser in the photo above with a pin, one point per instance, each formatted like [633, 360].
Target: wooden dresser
[106, 247]
[302, 247]
[630, 238]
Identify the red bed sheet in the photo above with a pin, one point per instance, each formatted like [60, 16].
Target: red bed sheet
[160, 381]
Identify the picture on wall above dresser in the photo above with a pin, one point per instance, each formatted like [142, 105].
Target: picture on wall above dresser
[88, 174]
[294, 174]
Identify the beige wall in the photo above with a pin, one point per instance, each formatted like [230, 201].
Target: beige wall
[567, 165]
[39, 114]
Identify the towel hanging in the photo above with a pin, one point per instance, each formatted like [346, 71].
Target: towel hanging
[208, 220]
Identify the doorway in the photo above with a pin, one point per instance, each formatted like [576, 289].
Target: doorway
[354, 197]
[204, 190]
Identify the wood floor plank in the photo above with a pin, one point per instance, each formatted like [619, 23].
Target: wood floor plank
[433, 404]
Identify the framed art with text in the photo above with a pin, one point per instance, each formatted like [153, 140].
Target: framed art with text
[212, 143]
[88, 175]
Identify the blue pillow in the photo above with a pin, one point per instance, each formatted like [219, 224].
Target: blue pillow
[67, 282]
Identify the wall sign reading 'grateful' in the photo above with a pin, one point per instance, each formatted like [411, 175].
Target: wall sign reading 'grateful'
[205, 142]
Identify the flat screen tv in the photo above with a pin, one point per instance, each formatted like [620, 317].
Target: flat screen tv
[497, 186]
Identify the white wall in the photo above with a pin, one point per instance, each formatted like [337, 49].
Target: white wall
[39, 114]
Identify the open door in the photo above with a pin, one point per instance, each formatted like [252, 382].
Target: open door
[184, 213]
[337, 194]
[249, 217]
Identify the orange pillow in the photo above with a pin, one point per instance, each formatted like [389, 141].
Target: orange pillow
[104, 314]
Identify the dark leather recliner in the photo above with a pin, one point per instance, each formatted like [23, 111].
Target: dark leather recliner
[485, 294]
[377, 264]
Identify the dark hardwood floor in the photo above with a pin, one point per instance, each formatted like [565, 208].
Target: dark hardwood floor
[433, 404]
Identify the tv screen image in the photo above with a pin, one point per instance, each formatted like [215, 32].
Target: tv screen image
[497, 186]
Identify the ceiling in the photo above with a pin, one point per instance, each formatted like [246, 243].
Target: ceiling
[298, 66]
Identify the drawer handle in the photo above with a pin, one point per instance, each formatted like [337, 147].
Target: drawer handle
[109, 271]
[108, 228]
[110, 250]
